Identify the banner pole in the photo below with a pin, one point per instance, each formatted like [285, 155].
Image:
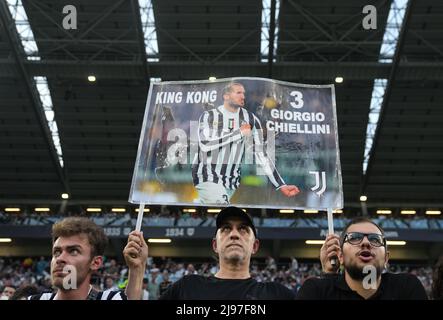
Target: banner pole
[331, 231]
[141, 210]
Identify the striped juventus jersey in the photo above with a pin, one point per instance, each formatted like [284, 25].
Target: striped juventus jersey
[222, 148]
[93, 295]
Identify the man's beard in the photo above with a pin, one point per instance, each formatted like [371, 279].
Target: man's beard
[234, 105]
[356, 272]
[57, 283]
[234, 259]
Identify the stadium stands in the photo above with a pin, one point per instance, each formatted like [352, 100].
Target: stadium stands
[27, 271]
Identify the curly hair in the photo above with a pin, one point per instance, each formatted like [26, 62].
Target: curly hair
[437, 280]
[78, 225]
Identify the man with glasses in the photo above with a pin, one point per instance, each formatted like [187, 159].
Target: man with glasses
[362, 251]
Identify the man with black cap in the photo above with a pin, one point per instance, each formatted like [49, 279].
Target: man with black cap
[234, 243]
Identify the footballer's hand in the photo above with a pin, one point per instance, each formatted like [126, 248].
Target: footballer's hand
[290, 190]
[245, 130]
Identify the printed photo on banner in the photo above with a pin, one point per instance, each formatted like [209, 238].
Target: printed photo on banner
[249, 142]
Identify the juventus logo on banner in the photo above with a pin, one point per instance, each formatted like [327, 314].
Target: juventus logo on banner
[317, 182]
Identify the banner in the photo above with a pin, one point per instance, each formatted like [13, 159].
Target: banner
[250, 142]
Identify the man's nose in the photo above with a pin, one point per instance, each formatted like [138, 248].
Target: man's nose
[234, 233]
[61, 258]
[365, 242]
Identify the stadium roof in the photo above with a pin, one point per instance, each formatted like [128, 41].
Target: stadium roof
[99, 122]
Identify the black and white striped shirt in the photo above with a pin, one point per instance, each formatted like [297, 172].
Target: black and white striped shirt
[93, 295]
[222, 148]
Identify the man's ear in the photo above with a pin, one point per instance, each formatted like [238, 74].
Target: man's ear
[214, 245]
[255, 246]
[340, 256]
[96, 263]
[387, 255]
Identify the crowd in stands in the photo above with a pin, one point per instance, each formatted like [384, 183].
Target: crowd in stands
[33, 273]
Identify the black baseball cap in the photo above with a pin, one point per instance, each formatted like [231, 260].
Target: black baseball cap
[232, 211]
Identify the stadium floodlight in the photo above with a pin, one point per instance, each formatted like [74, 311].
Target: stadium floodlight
[91, 78]
[30, 49]
[265, 29]
[363, 198]
[407, 212]
[212, 78]
[383, 211]
[42, 209]
[65, 196]
[433, 212]
[5, 240]
[189, 210]
[337, 211]
[310, 211]
[315, 242]
[287, 211]
[12, 209]
[396, 243]
[149, 30]
[153, 240]
[118, 209]
[387, 50]
[339, 79]
[94, 209]
[213, 210]
[144, 210]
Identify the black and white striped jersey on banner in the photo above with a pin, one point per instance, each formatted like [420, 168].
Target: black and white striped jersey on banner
[222, 148]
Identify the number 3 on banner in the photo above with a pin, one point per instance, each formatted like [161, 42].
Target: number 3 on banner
[298, 97]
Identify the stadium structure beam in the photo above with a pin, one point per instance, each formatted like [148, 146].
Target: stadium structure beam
[317, 70]
[9, 27]
[387, 95]
[335, 40]
[181, 44]
[334, 43]
[96, 22]
[426, 42]
[271, 39]
[357, 46]
[309, 16]
[109, 44]
[306, 44]
[44, 11]
[366, 53]
[140, 40]
[312, 45]
[235, 44]
[87, 41]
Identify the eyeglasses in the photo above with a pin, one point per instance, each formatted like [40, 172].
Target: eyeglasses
[355, 238]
